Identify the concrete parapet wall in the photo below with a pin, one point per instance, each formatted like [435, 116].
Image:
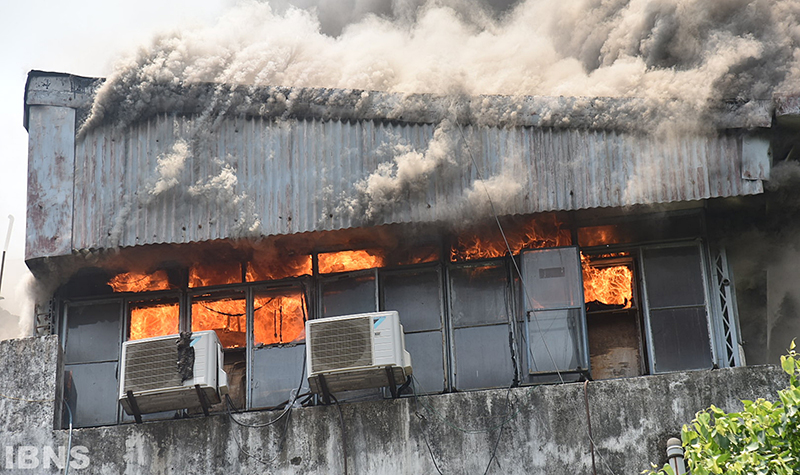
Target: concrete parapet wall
[541, 429]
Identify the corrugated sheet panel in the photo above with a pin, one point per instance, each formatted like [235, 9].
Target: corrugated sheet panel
[245, 177]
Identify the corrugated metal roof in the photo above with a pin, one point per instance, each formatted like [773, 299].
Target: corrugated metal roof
[303, 175]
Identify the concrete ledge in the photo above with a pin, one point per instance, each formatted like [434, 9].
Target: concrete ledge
[546, 432]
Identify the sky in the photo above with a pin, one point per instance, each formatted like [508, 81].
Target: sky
[83, 38]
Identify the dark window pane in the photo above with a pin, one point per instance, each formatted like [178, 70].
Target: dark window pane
[276, 372]
[93, 394]
[349, 295]
[552, 278]
[673, 276]
[93, 332]
[416, 297]
[426, 360]
[483, 357]
[478, 295]
[555, 341]
[680, 339]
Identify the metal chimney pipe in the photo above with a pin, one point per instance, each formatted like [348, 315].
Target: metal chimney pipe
[675, 456]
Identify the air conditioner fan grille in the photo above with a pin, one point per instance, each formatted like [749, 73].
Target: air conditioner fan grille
[152, 365]
[341, 344]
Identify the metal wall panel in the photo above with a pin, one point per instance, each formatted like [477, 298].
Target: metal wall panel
[254, 176]
[50, 167]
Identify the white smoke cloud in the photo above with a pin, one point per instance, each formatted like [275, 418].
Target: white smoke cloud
[405, 177]
[675, 59]
[491, 196]
[169, 167]
[677, 54]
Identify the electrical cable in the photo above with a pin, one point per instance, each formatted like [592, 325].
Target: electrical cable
[442, 418]
[69, 439]
[589, 422]
[508, 248]
[522, 280]
[69, 411]
[424, 429]
[241, 448]
[499, 434]
[344, 434]
[287, 413]
[286, 409]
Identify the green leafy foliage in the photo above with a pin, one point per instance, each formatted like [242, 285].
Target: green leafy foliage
[764, 438]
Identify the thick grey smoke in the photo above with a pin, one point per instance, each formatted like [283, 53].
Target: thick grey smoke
[682, 56]
[660, 66]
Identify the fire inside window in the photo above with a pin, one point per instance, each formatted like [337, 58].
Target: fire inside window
[617, 315]
[279, 318]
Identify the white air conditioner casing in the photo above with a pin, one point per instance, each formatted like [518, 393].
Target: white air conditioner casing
[149, 368]
[355, 351]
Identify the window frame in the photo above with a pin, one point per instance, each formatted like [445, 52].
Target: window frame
[511, 312]
[304, 285]
[582, 342]
[647, 308]
[64, 324]
[439, 269]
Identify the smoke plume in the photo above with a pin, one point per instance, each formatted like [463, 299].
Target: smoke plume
[681, 56]
[655, 66]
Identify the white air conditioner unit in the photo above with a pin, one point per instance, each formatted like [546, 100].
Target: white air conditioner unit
[149, 369]
[360, 351]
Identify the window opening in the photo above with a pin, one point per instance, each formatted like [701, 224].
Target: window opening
[153, 318]
[279, 316]
[223, 312]
[487, 242]
[271, 268]
[480, 305]
[140, 281]
[220, 273]
[348, 261]
[613, 316]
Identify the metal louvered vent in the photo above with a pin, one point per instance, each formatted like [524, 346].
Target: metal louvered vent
[152, 365]
[341, 344]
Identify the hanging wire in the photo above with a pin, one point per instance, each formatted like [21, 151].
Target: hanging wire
[344, 434]
[286, 413]
[69, 439]
[508, 248]
[524, 288]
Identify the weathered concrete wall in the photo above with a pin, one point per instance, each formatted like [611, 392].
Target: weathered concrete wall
[546, 431]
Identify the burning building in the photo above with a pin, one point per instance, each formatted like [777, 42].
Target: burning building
[518, 249]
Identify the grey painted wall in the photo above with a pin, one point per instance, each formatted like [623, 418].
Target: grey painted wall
[545, 433]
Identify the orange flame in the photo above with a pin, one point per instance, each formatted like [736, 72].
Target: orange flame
[227, 316]
[148, 320]
[489, 243]
[139, 281]
[279, 318]
[346, 261]
[274, 269]
[610, 285]
[220, 273]
[600, 235]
